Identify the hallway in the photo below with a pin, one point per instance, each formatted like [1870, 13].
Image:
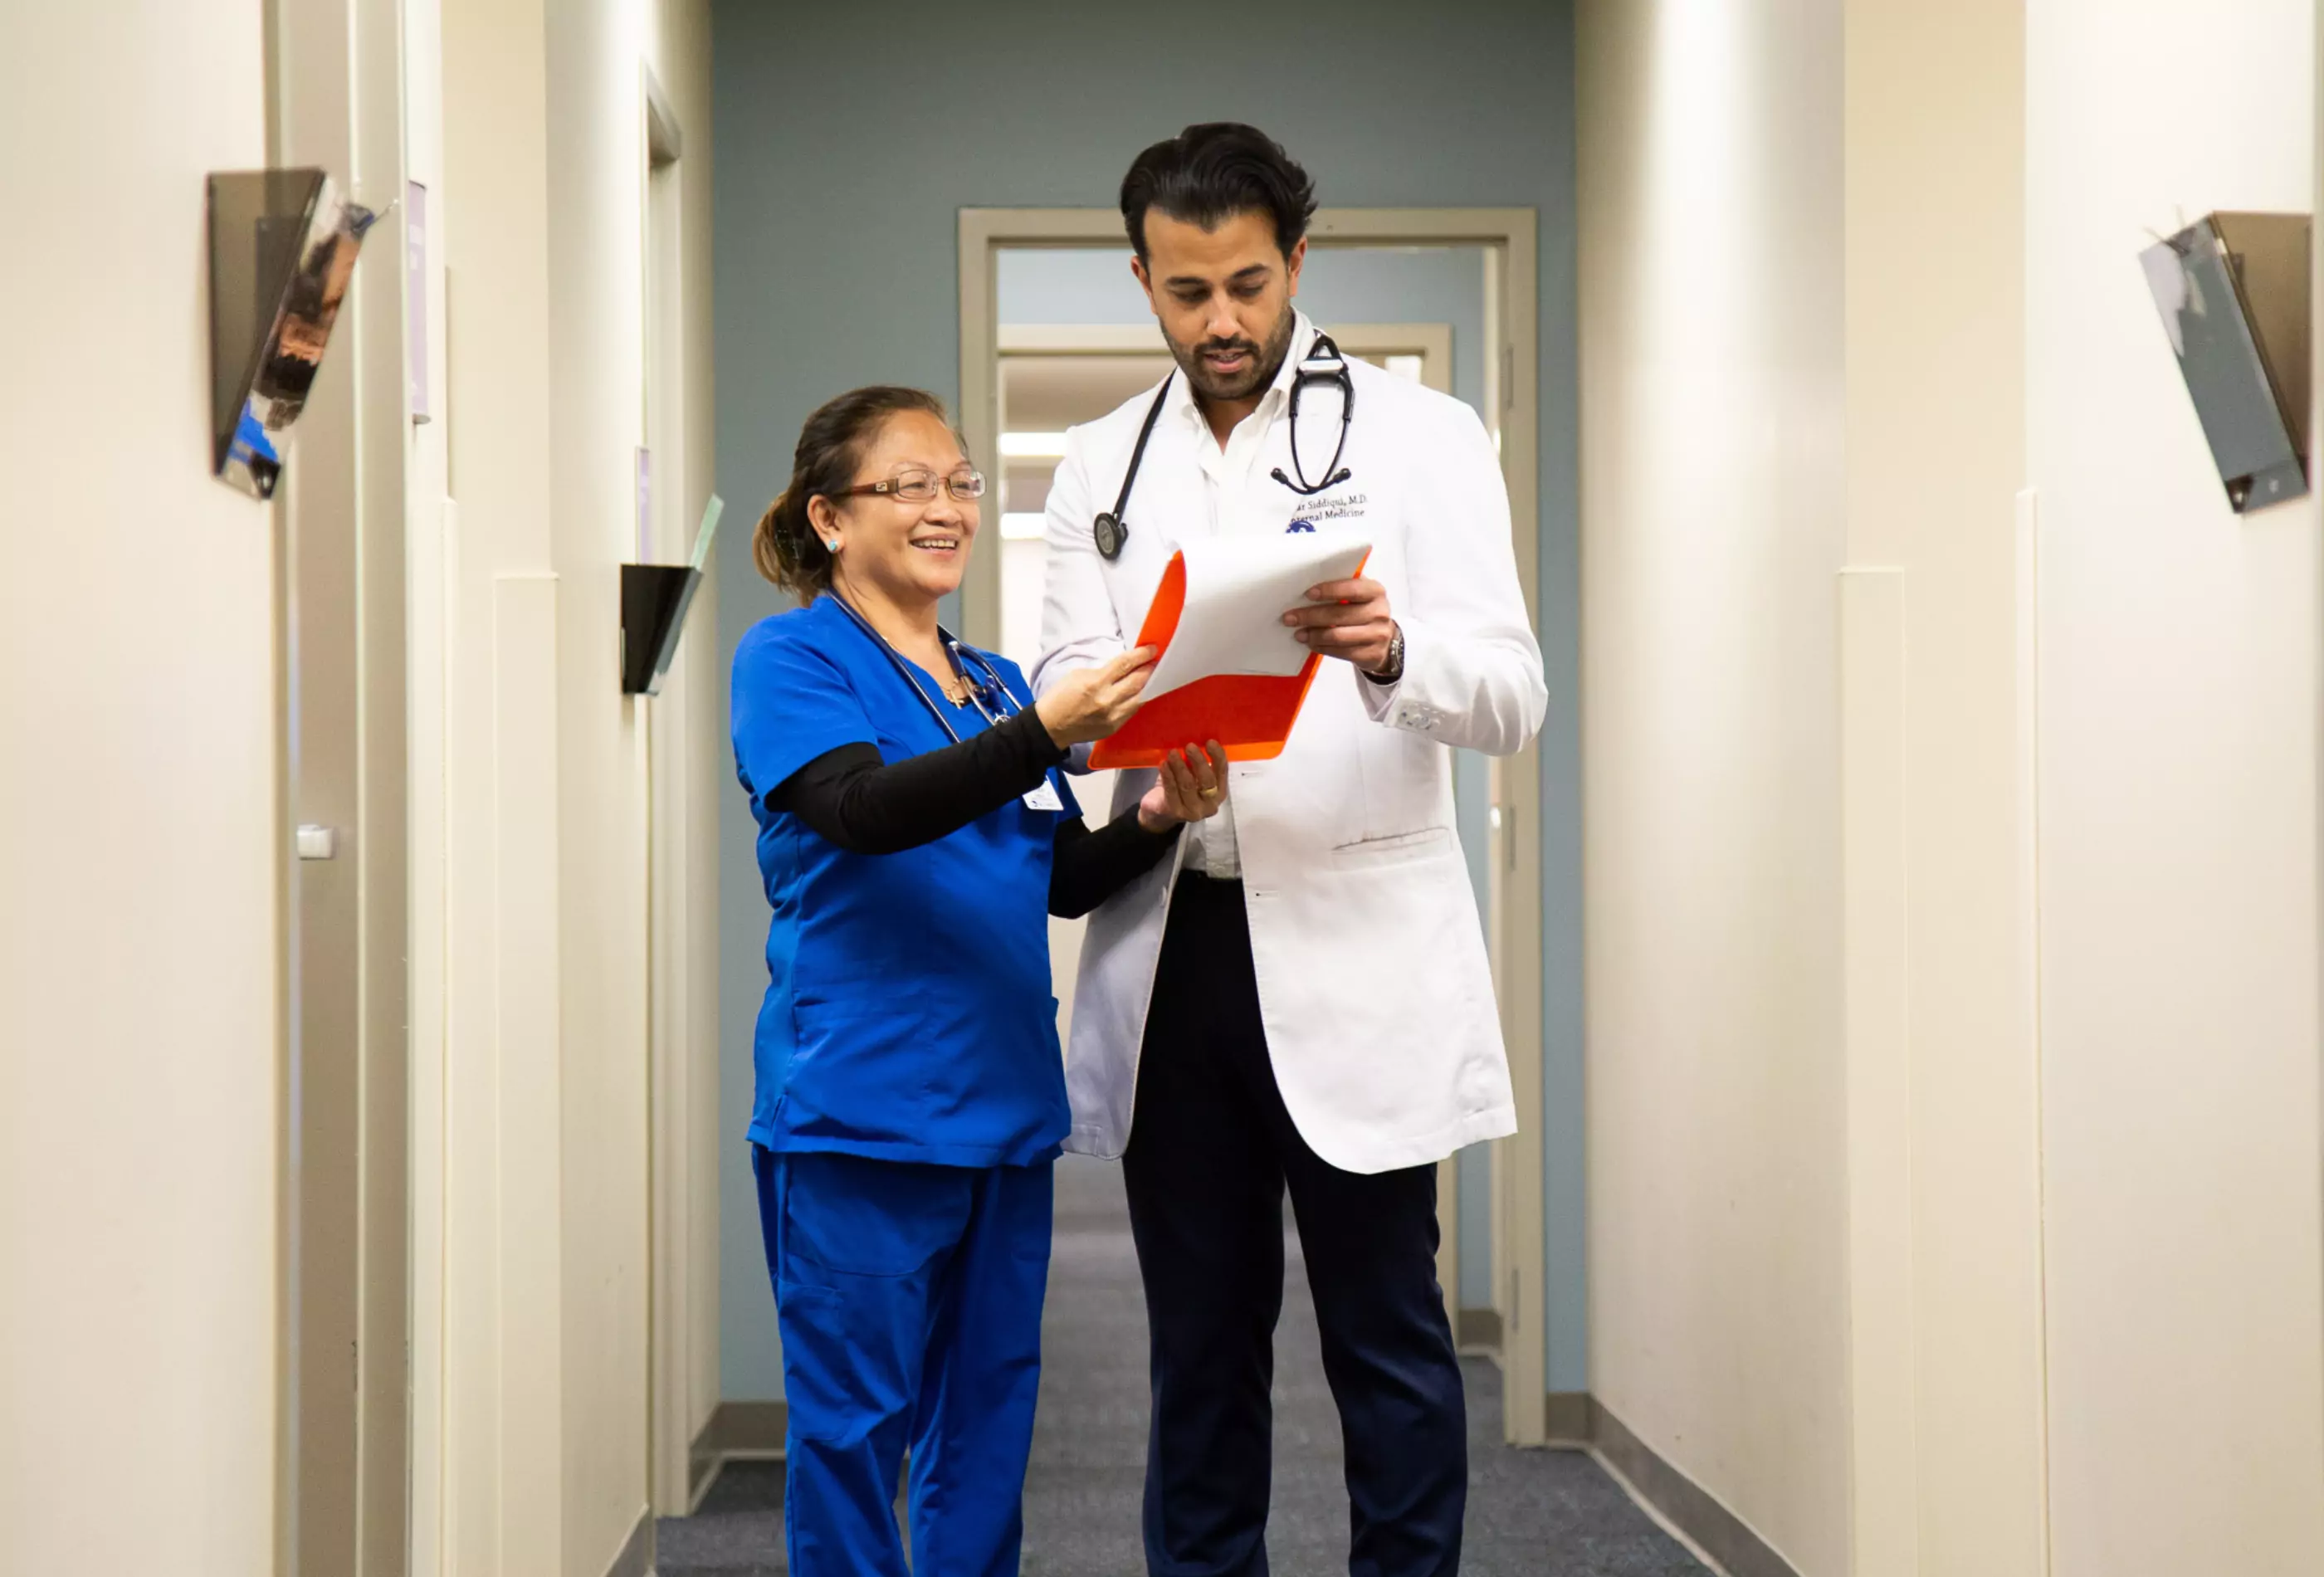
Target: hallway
[1531, 1513]
[1903, 926]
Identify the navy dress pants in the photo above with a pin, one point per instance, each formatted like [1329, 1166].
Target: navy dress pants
[1211, 1152]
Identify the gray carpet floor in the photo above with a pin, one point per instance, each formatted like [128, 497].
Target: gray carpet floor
[1531, 1513]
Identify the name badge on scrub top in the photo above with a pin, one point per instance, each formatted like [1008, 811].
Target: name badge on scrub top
[1045, 798]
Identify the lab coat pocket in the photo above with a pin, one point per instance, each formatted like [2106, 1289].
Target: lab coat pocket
[1407, 783]
[1396, 849]
[865, 1217]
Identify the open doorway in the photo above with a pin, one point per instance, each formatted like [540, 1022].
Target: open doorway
[1055, 332]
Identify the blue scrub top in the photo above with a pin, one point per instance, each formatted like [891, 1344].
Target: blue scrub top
[907, 1014]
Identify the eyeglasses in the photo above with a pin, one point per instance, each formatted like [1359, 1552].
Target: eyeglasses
[921, 486]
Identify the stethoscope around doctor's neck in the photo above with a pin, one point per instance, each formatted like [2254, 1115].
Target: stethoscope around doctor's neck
[1324, 364]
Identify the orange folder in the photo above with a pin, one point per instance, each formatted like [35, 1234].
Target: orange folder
[1251, 715]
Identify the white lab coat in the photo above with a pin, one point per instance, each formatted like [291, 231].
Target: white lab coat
[1373, 980]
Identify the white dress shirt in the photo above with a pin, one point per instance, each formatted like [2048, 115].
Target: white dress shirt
[1227, 473]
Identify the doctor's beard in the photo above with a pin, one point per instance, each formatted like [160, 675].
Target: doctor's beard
[1266, 361]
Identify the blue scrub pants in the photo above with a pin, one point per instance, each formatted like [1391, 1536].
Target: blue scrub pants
[910, 1301]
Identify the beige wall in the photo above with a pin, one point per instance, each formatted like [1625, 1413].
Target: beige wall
[2179, 734]
[139, 933]
[140, 988]
[1944, 1240]
[1712, 516]
[2041, 1047]
[547, 1241]
[595, 302]
[1815, 1209]
[501, 1453]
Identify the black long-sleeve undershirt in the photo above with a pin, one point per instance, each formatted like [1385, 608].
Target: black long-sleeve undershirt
[866, 804]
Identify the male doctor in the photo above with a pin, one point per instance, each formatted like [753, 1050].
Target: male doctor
[1300, 998]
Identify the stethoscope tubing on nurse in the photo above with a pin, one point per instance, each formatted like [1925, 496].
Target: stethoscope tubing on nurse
[1324, 364]
[992, 698]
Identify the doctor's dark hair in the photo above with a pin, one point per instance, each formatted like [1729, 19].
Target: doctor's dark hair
[1210, 172]
[785, 546]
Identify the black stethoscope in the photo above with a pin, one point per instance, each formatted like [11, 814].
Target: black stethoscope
[1324, 364]
[991, 696]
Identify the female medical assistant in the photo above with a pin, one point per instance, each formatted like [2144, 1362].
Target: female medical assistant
[914, 835]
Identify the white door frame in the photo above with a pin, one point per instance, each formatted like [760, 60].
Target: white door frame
[1512, 381]
[672, 1037]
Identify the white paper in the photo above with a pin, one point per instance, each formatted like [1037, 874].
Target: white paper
[1238, 589]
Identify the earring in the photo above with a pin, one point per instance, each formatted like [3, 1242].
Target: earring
[833, 544]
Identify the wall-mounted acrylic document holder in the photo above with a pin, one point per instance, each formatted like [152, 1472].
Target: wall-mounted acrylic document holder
[282, 246]
[654, 600]
[2233, 291]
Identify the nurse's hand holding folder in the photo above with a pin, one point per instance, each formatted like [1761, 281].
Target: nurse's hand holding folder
[1089, 706]
[915, 835]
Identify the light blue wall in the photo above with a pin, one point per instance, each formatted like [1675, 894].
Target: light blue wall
[848, 138]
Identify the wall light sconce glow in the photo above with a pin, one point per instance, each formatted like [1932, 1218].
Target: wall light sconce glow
[1021, 528]
[1033, 446]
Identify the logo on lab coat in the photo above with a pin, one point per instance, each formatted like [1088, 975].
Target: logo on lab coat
[1308, 526]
